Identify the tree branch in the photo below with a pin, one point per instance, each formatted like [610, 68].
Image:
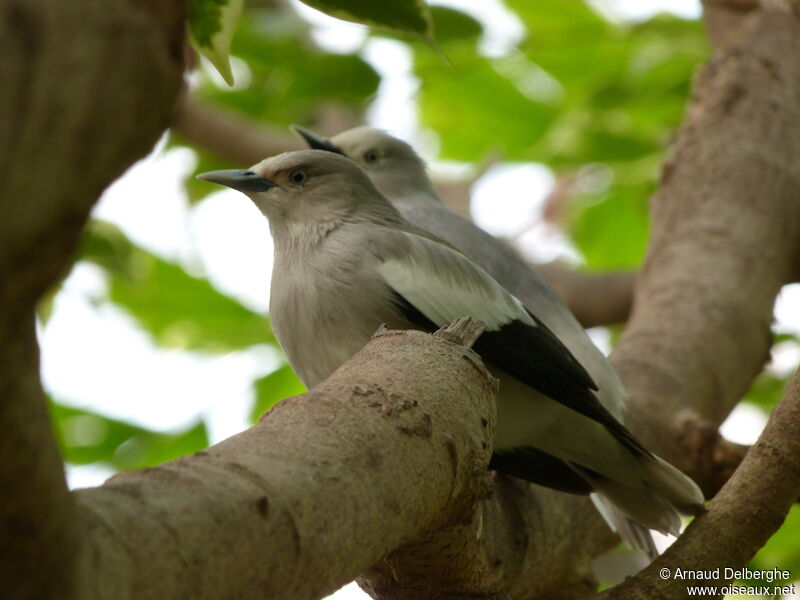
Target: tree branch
[725, 19]
[393, 445]
[725, 238]
[37, 533]
[594, 298]
[86, 88]
[226, 134]
[389, 452]
[740, 519]
[50, 125]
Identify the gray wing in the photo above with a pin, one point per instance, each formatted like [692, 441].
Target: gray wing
[433, 284]
[506, 265]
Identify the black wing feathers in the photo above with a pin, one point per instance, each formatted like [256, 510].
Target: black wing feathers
[536, 357]
[412, 313]
[539, 467]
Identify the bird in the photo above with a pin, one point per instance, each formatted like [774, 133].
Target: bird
[346, 261]
[400, 175]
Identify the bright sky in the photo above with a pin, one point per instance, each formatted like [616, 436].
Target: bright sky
[93, 356]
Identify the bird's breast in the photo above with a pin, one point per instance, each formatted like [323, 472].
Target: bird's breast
[321, 320]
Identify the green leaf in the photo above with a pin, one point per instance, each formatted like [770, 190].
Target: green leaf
[785, 337]
[766, 390]
[197, 189]
[176, 308]
[453, 25]
[626, 106]
[599, 91]
[501, 116]
[290, 79]
[44, 308]
[271, 389]
[212, 23]
[578, 91]
[611, 230]
[89, 437]
[400, 16]
[781, 551]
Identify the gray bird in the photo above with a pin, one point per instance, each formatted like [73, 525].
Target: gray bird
[400, 175]
[347, 261]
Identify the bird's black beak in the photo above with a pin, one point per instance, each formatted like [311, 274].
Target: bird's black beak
[314, 141]
[244, 181]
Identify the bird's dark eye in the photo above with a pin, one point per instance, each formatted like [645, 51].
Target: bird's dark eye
[371, 156]
[298, 177]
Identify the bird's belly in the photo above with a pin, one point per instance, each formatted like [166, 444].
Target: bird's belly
[321, 362]
[317, 351]
[318, 340]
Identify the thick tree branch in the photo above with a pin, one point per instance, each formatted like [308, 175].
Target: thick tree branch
[594, 298]
[37, 533]
[740, 519]
[233, 138]
[122, 66]
[725, 238]
[390, 452]
[393, 445]
[725, 19]
[86, 88]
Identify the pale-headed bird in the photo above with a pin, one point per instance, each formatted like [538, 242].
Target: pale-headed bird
[400, 175]
[346, 261]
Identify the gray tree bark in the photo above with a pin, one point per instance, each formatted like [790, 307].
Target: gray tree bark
[86, 88]
[394, 444]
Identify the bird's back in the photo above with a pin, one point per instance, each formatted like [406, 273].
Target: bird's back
[506, 265]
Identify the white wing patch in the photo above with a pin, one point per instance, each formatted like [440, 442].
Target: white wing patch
[444, 285]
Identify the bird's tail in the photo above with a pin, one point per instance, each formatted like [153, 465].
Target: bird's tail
[664, 494]
[636, 535]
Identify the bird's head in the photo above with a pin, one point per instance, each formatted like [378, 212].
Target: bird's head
[306, 188]
[391, 163]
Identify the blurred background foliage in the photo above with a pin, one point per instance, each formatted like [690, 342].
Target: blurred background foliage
[594, 99]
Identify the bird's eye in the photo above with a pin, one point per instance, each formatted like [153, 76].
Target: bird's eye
[371, 156]
[298, 177]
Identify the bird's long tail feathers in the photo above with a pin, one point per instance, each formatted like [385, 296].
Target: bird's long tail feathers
[658, 504]
[682, 492]
[636, 535]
